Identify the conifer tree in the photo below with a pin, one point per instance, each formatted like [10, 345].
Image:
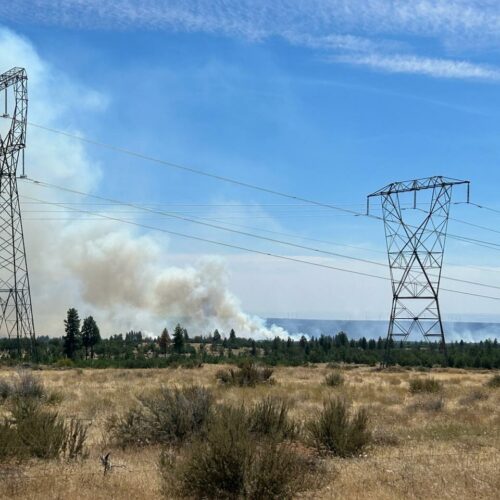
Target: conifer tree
[71, 340]
[90, 336]
[164, 341]
[178, 339]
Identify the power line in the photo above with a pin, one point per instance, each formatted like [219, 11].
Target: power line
[192, 170]
[244, 233]
[230, 180]
[251, 250]
[142, 156]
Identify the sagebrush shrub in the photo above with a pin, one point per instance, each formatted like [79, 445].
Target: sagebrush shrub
[334, 379]
[429, 385]
[427, 403]
[246, 375]
[337, 430]
[269, 417]
[473, 396]
[169, 416]
[32, 431]
[231, 462]
[494, 381]
[26, 385]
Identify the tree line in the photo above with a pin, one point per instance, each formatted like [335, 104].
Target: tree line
[82, 345]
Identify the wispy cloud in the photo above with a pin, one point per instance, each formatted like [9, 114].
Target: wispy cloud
[438, 68]
[381, 34]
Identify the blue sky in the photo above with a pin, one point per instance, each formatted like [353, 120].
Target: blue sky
[329, 100]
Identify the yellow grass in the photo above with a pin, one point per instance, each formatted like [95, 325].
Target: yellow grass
[419, 452]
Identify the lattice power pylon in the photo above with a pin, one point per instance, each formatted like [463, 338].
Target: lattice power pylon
[16, 315]
[415, 231]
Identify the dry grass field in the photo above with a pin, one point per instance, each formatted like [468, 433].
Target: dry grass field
[430, 445]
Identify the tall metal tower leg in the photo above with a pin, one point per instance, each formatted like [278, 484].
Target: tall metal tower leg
[15, 296]
[415, 240]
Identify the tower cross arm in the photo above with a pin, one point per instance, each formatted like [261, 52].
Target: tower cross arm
[11, 77]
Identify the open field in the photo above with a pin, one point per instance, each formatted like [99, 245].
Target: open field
[427, 445]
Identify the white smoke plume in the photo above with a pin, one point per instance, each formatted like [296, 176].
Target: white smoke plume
[113, 272]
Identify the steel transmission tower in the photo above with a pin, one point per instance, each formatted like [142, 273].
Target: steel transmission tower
[415, 234]
[16, 315]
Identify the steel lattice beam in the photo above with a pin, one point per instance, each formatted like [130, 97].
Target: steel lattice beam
[16, 315]
[415, 252]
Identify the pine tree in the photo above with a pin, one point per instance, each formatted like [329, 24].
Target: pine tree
[178, 339]
[95, 337]
[71, 340]
[90, 336]
[217, 336]
[164, 341]
[232, 336]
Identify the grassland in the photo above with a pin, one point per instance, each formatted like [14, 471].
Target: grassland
[442, 443]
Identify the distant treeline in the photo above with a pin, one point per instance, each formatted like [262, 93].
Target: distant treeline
[135, 350]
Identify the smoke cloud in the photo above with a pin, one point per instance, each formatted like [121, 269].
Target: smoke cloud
[117, 274]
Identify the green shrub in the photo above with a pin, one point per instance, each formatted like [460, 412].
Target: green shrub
[336, 430]
[276, 471]
[31, 431]
[26, 385]
[269, 417]
[494, 382]
[429, 385]
[430, 404]
[64, 363]
[230, 463]
[41, 432]
[170, 416]
[334, 379]
[247, 375]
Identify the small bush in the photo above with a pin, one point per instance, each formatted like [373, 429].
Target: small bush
[26, 385]
[247, 375]
[334, 365]
[394, 381]
[170, 416]
[229, 463]
[64, 363]
[429, 385]
[473, 396]
[269, 417]
[34, 432]
[494, 382]
[336, 430]
[430, 404]
[334, 379]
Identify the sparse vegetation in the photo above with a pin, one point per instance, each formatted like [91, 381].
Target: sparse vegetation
[269, 417]
[30, 430]
[429, 404]
[275, 420]
[247, 375]
[228, 462]
[494, 382]
[425, 385]
[474, 396]
[338, 430]
[168, 416]
[334, 379]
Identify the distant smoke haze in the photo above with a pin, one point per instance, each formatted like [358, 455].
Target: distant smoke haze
[355, 329]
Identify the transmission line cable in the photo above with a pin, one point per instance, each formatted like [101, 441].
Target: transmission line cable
[244, 233]
[253, 250]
